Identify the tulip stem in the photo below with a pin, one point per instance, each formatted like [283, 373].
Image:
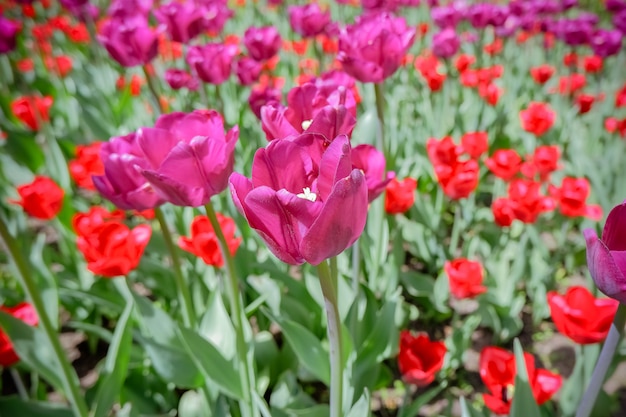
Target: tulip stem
[68, 375]
[181, 284]
[328, 282]
[380, 112]
[613, 339]
[246, 372]
[152, 87]
[19, 384]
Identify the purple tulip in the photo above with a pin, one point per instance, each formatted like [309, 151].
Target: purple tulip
[184, 21]
[215, 14]
[298, 195]
[606, 257]
[247, 70]
[619, 21]
[510, 26]
[8, 34]
[130, 42]
[262, 96]
[372, 162]
[73, 4]
[373, 48]
[122, 182]
[212, 62]
[573, 31]
[380, 5]
[126, 8]
[262, 42]
[446, 43]
[606, 42]
[308, 20]
[569, 4]
[446, 16]
[178, 78]
[615, 6]
[479, 15]
[190, 156]
[588, 18]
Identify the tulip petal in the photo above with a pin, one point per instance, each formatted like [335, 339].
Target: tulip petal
[303, 210]
[155, 144]
[337, 228]
[336, 163]
[614, 233]
[602, 267]
[281, 165]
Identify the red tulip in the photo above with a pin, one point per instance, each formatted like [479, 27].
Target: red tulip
[544, 161]
[112, 249]
[86, 164]
[32, 110]
[504, 163]
[420, 358]
[28, 315]
[400, 195]
[542, 73]
[503, 211]
[41, 199]
[459, 178]
[83, 223]
[498, 370]
[538, 118]
[592, 64]
[475, 143]
[584, 102]
[204, 243]
[572, 198]
[465, 277]
[580, 316]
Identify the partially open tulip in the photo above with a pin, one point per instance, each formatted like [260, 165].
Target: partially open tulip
[465, 278]
[183, 20]
[420, 358]
[32, 110]
[400, 195]
[204, 243]
[190, 156]
[297, 198]
[580, 316]
[86, 164]
[308, 20]
[538, 118]
[606, 257]
[28, 315]
[212, 62]
[262, 42]
[129, 41]
[373, 48]
[8, 34]
[41, 199]
[372, 162]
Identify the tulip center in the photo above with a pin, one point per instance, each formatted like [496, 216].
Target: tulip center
[507, 393]
[307, 194]
[306, 124]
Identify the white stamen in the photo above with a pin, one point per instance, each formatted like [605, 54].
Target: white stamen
[307, 194]
[306, 124]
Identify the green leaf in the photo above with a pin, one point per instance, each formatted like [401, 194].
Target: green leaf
[306, 346]
[469, 411]
[173, 364]
[217, 328]
[157, 323]
[423, 399]
[524, 403]
[33, 348]
[15, 406]
[212, 364]
[572, 390]
[193, 404]
[115, 367]
[362, 407]
[47, 282]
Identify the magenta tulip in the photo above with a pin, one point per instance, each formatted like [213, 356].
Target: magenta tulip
[8, 34]
[606, 257]
[262, 43]
[190, 156]
[372, 162]
[212, 62]
[129, 41]
[297, 198]
[308, 20]
[183, 20]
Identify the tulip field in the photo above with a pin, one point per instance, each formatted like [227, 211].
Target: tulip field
[314, 208]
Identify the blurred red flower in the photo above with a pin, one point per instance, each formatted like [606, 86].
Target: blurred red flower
[592, 64]
[458, 177]
[503, 211]
[584, 102]
[490, 93]
[571, 84]
[620, 97]
[504, 163]
[400, 195]
[83, 223]
[41, 199]
[463, 62]
[572, 198]
[204, 243]
[570, 59]
[580, 316]
[498, 370]
[111, 248]
[544, 161]
[86, 164]
[538, 118]
[542, 73]
[61, 65]
[475, 143]
[32, 110]
[28, 315]
[420, 358]
[465, 278]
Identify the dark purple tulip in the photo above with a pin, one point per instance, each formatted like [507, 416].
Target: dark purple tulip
[308, 20]
[122, 182]
[212, 62]
[373, 48]
[380, 5]
[184, 21]
[619, 21]
[130, 42]
[446, 16]
[178, 78]
[262, 42]
[247, 70]
[519, 7]
[8, 34]
[215, 14]
[499, 14]
[546, 6]
[606, 257]
[573, 32]
[446, 43]
[479, 15]
[126, 8]
[606, 42]
[261, 96]
[615, 6]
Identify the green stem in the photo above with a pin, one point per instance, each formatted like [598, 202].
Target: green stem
[380, 112]
[236, 311]
[456, 230]
[181, 284]
[604, 361]
[152, 87]
[68, 375]
[19, 384]
[328, 282]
